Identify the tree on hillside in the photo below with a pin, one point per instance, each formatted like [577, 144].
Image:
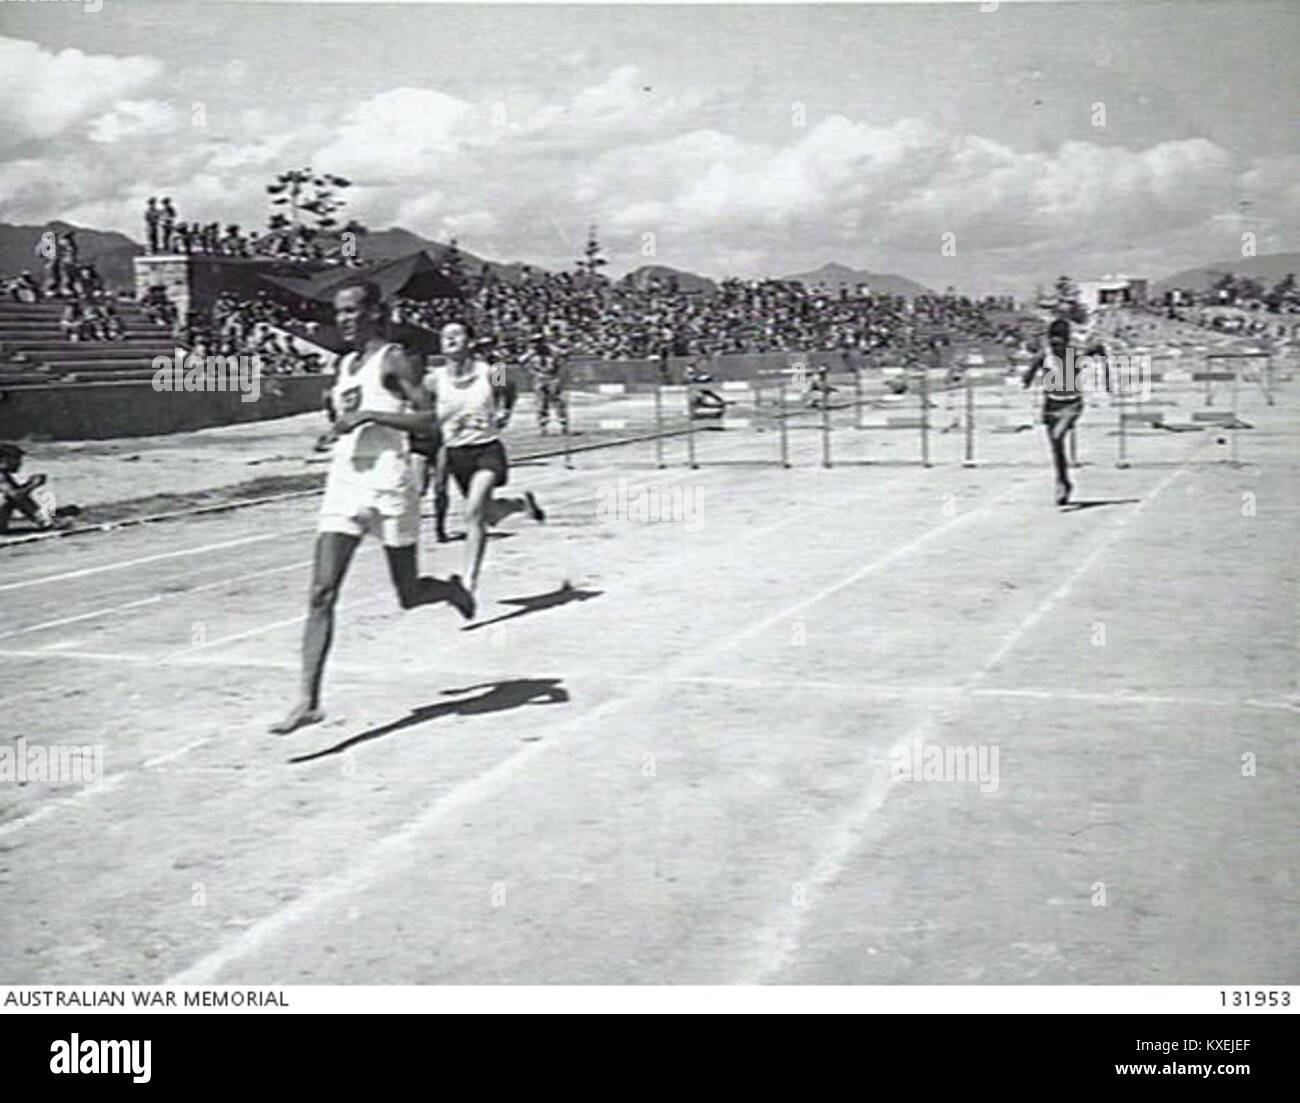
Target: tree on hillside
[1283, 293]
[591, 261]
[1248, 288]
[308, 203]
[1224, 287]
[1068, 293]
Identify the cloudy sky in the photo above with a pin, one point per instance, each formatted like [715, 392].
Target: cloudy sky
[748, 140]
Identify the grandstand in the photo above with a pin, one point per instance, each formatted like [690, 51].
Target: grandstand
[34, 350]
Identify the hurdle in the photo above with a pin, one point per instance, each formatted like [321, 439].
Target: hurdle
[974, 362]
[888, 412]
[740, 388]
[976, 415]
[730, 391]
[1230, 419]
[826, 425]
[1212, 413]
[1265, 376]
[659, 423]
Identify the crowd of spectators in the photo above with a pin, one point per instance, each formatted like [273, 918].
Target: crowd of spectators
[258, 327]
[1232, 321]
[66, 276]
[582, 316]
[166, 233]
[93, 320]
[88, 313]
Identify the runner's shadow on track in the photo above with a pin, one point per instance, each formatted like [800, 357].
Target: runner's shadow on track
[1094, 503]
[498, 697]
[561, 595]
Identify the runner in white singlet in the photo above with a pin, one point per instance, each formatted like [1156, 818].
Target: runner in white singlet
[375, 403]
[472, 402]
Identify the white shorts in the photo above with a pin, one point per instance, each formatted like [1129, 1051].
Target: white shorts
[355, 510]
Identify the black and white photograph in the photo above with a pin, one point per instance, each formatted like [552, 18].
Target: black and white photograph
[738, 499]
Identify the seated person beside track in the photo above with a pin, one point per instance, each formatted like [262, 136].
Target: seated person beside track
[17, 493]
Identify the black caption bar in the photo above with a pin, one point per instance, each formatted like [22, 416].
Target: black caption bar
[332, 1053]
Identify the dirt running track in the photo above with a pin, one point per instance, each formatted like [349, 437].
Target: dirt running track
[679, 768]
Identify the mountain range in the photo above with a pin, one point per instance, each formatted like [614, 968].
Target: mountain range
[1268, 270]
[831, 277]
[686, 281]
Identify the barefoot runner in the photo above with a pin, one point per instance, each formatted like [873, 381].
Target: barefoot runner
[375, 403]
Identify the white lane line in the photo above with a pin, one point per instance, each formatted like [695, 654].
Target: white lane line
[780, 940]
[361, 673]
[1121, 698]
[394, 849]
[124, 564]
[868, 689]
[105, 785]
[261, 629]
[1109, 537]
[170, 756]
[153, 599]
[94, 656]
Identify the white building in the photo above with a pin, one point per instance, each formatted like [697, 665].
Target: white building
[1112, 289]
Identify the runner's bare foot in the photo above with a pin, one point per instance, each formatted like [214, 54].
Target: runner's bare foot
[461, 598]
[302, 715]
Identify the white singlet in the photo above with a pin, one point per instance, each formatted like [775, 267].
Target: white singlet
[467, 408]
[370, 476]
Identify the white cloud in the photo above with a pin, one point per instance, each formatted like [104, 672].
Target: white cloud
[398, 135]
[133, 119]
[43, 93]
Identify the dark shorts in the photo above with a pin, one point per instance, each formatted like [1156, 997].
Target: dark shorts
[425, 445]
[1060, 417]
[464, 461]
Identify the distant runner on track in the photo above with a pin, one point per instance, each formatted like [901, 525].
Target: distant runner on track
[1062, 390]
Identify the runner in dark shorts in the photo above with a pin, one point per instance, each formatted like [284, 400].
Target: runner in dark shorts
[473, 401]
[1062, 400]
[464, 461]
